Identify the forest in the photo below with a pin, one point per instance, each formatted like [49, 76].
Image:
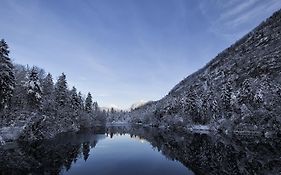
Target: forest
[33, 106]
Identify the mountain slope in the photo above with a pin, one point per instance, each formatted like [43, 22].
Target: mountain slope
[240, 88]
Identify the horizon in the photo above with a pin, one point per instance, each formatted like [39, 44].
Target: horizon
[128, 51]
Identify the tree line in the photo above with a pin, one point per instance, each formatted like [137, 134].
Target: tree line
[28, 90]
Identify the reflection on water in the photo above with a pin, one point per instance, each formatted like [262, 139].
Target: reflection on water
[126, 150]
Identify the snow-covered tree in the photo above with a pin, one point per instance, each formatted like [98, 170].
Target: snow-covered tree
[48, 95]
[34, 91]
[88, 103]
[47, 85]
[192, 106]
[214, 108]
[80, 101]
[226, 96]
[204, 110]
[95, 107]
[74, 99]
[246, 94]
[7, 79]
[258, 97]
[61, 91]
[18, 100]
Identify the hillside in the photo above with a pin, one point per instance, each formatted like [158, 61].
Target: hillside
[239, 89]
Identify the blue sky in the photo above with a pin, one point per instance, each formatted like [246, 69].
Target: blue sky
[125, 51]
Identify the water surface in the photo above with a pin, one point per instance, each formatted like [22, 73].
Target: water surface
[136, 150]
[126, 155]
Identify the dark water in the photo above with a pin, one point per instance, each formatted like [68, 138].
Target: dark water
[144, 151]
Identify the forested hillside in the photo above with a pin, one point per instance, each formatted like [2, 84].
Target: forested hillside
[240, 89]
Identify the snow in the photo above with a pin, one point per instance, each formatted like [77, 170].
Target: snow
[200, 127]
[117, 123]
[10, 133]
[138, 104]
[268, 134]
[32, 84]
[37, 95]
[2, 142]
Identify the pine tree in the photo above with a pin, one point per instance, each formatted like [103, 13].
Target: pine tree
[47, 85]
[88, 103]
[258, 98]
[61, 91]
[226, 96]
[112, 111]
[246, 94]
[74, 99]
[7, 78]
[80, 101]
[34, 91]
[48, 95]
[204, 110]
[95, 107]
[192, 105]
[214, 108]
[18, 100]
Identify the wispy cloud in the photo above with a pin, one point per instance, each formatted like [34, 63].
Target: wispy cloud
[237, 17]
[98, 67]
[127, 50]
[236, 10]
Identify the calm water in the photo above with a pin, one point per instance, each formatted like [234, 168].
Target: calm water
[125, 150]
[126, 155]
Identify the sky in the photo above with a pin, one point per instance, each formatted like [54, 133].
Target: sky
[125, 51]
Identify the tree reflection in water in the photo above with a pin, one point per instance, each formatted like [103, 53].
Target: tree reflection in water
[201, 153]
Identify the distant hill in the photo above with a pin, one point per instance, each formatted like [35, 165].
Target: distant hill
[239, 89]
[138, 104]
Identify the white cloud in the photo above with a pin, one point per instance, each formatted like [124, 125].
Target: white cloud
[236, 10]
[235, 18]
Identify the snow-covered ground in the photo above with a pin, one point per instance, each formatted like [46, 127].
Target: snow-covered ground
[10, 133]
[117, 123]
[2, 142]
[200, 128]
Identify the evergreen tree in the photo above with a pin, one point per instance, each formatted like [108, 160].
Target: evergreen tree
[214, 108]
[204, 110]
[246, 94]
[7, 79]
[34, 92]
[74, 99]
[88, 103]
[112, 111]
[18, 100]
[80, 101]
[47, 85]
[61, 91]
[226, 96]
[192, 105]
[258, 98]
[48, 95]
[95, 107]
